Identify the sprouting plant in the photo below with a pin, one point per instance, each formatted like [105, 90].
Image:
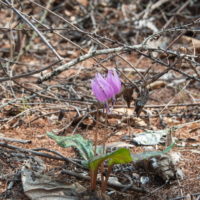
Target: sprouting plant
[90, 160]
[93, 162]
[120, 156]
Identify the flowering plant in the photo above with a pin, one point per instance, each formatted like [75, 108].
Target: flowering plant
[106, 88]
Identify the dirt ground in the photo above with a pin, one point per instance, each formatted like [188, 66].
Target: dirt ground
[31, 106]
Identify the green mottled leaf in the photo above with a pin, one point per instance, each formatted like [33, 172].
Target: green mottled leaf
[84, 146]
[120, 156]
[149, 154]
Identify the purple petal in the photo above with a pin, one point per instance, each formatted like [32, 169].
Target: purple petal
[101, 88]
[113, 79]
[97, 91]
[106, 87]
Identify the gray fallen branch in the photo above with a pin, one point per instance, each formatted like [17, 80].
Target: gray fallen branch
[59, 157]
[189, 58]
[138, 48]
[2, 79]
[84, 57]
[180, 28]
[6, 139]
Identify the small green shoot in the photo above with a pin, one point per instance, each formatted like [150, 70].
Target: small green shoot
[87, 152]
[120, 156]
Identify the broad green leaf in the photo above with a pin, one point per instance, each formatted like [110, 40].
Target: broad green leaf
[84, 146]
[120, 156]
[149, 154]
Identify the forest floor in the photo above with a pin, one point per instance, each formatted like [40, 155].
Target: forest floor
[65, 104]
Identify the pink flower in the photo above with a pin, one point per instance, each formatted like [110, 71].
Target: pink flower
[101, 88]
[114, 81]
[106, 88]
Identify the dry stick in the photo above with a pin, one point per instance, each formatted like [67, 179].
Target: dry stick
[31, 91]
[82, 118]
[82, 58]
[63, 158]
[12, 48]
[174, 40]
[169, 66]
[186, 197]
[195, 70]
[95, 59]
[60, 155]
[115, 50]
[187, 83]
[184, 27]
[174, 53]
[55, 73]
[34, 28]
[26, 98]
[16, 62]
[27, 74]
[181, 28]
[155, 6]
[172, 105]
[71, 42]
[20, 46]
[15, 140]
[43, 115]
[91, 37]
[29, 29]
[110, 183]
[19, 99]
[157, 76]
[178, 12]
[41, 20]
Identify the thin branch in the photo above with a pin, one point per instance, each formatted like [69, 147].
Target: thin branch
[34, 152]
[29, 73]
[6, 139]
[82, 58]
[35, 29]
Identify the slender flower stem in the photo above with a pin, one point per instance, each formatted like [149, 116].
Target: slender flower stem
[104, 89]
[102, 176]
[96, 133]
[102, 165]
[105, 183]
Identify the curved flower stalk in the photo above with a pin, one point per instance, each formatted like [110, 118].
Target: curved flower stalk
[106, 88]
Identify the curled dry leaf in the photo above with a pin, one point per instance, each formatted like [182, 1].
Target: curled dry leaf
[127, 95]
[150, 137]
[141, 100]
[43, 187]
